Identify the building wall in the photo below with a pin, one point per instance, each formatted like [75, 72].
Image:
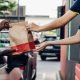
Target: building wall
[72, 53]
[63, 60]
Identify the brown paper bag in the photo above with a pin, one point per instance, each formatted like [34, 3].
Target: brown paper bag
[20, 38]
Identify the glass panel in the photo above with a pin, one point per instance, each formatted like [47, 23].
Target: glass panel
[4, 40]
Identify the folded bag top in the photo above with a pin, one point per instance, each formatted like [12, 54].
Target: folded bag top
[20, 38]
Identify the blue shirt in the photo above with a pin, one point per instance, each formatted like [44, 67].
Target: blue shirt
[76, 7]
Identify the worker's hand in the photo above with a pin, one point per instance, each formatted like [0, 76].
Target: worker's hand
[4, 24]
[41, 46]
[33, 27]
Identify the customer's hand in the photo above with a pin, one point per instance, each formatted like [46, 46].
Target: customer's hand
[4, 24]
[7, 52]
[33, 27]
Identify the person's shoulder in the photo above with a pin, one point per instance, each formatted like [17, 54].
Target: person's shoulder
[76, 7]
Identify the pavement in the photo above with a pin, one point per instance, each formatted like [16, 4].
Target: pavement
[40, 76]
[46, 76]
[46, 70]
[3, 74]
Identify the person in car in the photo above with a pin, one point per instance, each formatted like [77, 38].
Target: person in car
[21, 40]
[4, 24]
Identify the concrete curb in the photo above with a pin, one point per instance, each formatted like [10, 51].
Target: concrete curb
[58, 77]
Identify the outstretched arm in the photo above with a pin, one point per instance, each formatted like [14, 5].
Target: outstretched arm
[59, 22]
[68, 16]
[67, 41]
[71, 40]
[7, 52]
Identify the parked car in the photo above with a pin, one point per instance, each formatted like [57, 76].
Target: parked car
[50, 51]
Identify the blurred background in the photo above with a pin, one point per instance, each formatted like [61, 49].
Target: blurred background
[40, 12]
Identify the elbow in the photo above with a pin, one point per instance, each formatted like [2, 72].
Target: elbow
[77, 39]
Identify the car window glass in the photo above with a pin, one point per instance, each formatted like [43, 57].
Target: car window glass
[4, 39]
